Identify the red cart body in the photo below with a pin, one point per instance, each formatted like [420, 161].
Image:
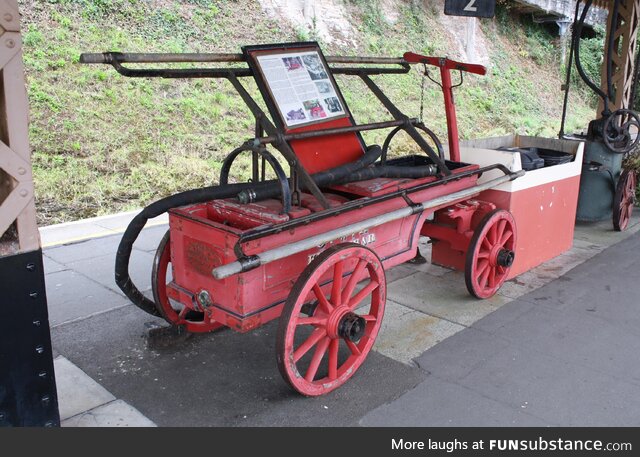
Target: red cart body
[202, 239]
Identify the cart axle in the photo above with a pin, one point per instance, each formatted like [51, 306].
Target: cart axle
[351, 327]
[505, 258]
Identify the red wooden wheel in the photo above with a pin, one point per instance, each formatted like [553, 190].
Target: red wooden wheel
[624, 200]
[326, 311]
[490, 254]
[171, 310]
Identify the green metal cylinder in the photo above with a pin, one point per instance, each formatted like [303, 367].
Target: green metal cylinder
[600, 172]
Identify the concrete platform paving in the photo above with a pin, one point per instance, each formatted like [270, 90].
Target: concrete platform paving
[442, 358]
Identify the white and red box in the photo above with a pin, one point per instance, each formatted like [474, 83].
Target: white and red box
[543, 201]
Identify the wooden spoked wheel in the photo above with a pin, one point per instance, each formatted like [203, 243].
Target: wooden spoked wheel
[331, 319]
[490, 254]
[171, 310]
[624, 200]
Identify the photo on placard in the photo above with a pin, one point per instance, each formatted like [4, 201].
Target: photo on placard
[333, 104]
[314, 66]
[314, 108]
[292, 63]
[323, 87]
[295, 115]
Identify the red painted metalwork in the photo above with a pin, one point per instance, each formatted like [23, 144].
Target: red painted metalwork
[446, 65]
[342, 323]
[452, 230]
[168, 299]
[203, 239]
[322, 153]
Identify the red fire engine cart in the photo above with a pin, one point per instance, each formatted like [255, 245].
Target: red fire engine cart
[311, 247]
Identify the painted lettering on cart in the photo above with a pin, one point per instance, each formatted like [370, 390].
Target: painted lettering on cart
[363, 238]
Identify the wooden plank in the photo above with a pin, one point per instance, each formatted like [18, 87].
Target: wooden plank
[13, 164]
[28, 234]
[17, 108]
[13, 205]
[9, 16]
[10, 45]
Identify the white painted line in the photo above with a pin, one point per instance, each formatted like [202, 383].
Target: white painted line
[95, 227]
[91, 235]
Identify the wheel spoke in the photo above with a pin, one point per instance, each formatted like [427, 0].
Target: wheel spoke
[482, 266]
[501, 226]
[336, 288]
[318, 321]
[369, 288]
[482, 278]
[322, 300]
[486, 243]
[491, 234]
[353, 281]
[483, 254]
[333, 359]
[492, 278]
[369, 318]
[505, 237]
[316, 336]
[321, 348]
[355, 350]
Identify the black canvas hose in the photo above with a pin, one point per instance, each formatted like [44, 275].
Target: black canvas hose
[190, 197]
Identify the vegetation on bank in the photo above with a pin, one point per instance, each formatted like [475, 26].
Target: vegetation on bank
[103, 143]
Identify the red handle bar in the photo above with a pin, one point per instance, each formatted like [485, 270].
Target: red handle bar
[443, 62]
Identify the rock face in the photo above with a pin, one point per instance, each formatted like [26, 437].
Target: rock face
[328, 19]
[466, 34]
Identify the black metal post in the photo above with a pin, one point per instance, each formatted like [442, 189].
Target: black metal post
[28, 395]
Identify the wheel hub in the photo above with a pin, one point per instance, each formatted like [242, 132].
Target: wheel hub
[351, 327]
[343, 323]
[505, 257]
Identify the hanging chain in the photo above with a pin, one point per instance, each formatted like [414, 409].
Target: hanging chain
[424, 77]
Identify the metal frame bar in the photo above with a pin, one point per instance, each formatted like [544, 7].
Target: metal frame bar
[622, 26]
[271, 255]
[359, 204]
[407, 125]
[275, 134]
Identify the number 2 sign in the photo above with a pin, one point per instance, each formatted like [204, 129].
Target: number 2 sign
[476, 8]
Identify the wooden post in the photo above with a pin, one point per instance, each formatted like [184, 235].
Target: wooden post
[625, 32]
[18, 228]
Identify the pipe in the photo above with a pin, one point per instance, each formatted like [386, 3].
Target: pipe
[249, 263]
[335, 131]
[152, 57]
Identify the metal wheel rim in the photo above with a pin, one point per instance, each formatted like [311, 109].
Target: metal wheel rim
[483, 277]
[320, 378]
[624, 200]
